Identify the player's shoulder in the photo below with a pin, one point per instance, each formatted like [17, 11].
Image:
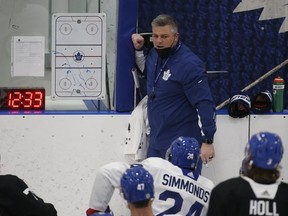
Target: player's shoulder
[8, 177]
[208, 183]
[156, 161]
[232, 183]
[10, 180]
[109, 167]
[284, 185]
[11, 184]
[282, 190]
[159, 163]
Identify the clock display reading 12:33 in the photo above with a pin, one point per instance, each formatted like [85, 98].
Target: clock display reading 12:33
[22, 98]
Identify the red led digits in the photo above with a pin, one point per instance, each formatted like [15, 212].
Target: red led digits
[14, 99]
[38, 99]
[25, 99]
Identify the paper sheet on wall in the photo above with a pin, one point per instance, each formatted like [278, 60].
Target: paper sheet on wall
[27, 56]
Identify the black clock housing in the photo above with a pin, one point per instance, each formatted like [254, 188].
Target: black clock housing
[22, 98]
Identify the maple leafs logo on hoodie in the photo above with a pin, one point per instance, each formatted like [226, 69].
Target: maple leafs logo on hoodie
[271, 10]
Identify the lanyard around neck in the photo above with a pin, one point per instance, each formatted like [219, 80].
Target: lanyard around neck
[160, 71]
[163, 66]
[153, 93]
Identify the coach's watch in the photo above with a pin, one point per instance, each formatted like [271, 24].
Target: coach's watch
[208, 141]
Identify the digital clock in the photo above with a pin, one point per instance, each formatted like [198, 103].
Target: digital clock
[22, 98]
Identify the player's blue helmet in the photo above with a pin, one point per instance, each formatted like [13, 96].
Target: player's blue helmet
[184, 152]
[93, 212]
[102, 214]
[137, 184]
[265, 150]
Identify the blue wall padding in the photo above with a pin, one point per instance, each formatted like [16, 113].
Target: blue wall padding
[127, 20]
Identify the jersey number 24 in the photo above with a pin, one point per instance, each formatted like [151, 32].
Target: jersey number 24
[195, 209]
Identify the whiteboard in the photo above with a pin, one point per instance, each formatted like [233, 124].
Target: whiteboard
[78, 63]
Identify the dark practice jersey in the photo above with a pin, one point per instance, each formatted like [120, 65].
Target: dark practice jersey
[16, 199]
[243, 197]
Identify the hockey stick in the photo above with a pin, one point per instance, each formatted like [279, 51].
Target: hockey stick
[138, 93]
[256, 82]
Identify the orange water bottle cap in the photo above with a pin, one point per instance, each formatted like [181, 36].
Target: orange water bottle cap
[278, 79]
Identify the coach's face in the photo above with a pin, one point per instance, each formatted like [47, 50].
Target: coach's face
[164, 37]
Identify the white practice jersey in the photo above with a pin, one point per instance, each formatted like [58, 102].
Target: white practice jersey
[177, 191]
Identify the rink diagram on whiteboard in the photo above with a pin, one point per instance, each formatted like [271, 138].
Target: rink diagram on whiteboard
[78, 56]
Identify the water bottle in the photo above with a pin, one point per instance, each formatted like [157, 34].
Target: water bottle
[278, 94]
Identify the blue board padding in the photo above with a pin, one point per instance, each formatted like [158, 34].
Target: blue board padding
[127, 21]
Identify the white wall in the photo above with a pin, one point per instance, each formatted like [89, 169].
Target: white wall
[231, 138]
[58, 155]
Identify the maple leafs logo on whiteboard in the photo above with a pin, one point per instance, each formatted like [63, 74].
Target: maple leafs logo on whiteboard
[272, 9]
